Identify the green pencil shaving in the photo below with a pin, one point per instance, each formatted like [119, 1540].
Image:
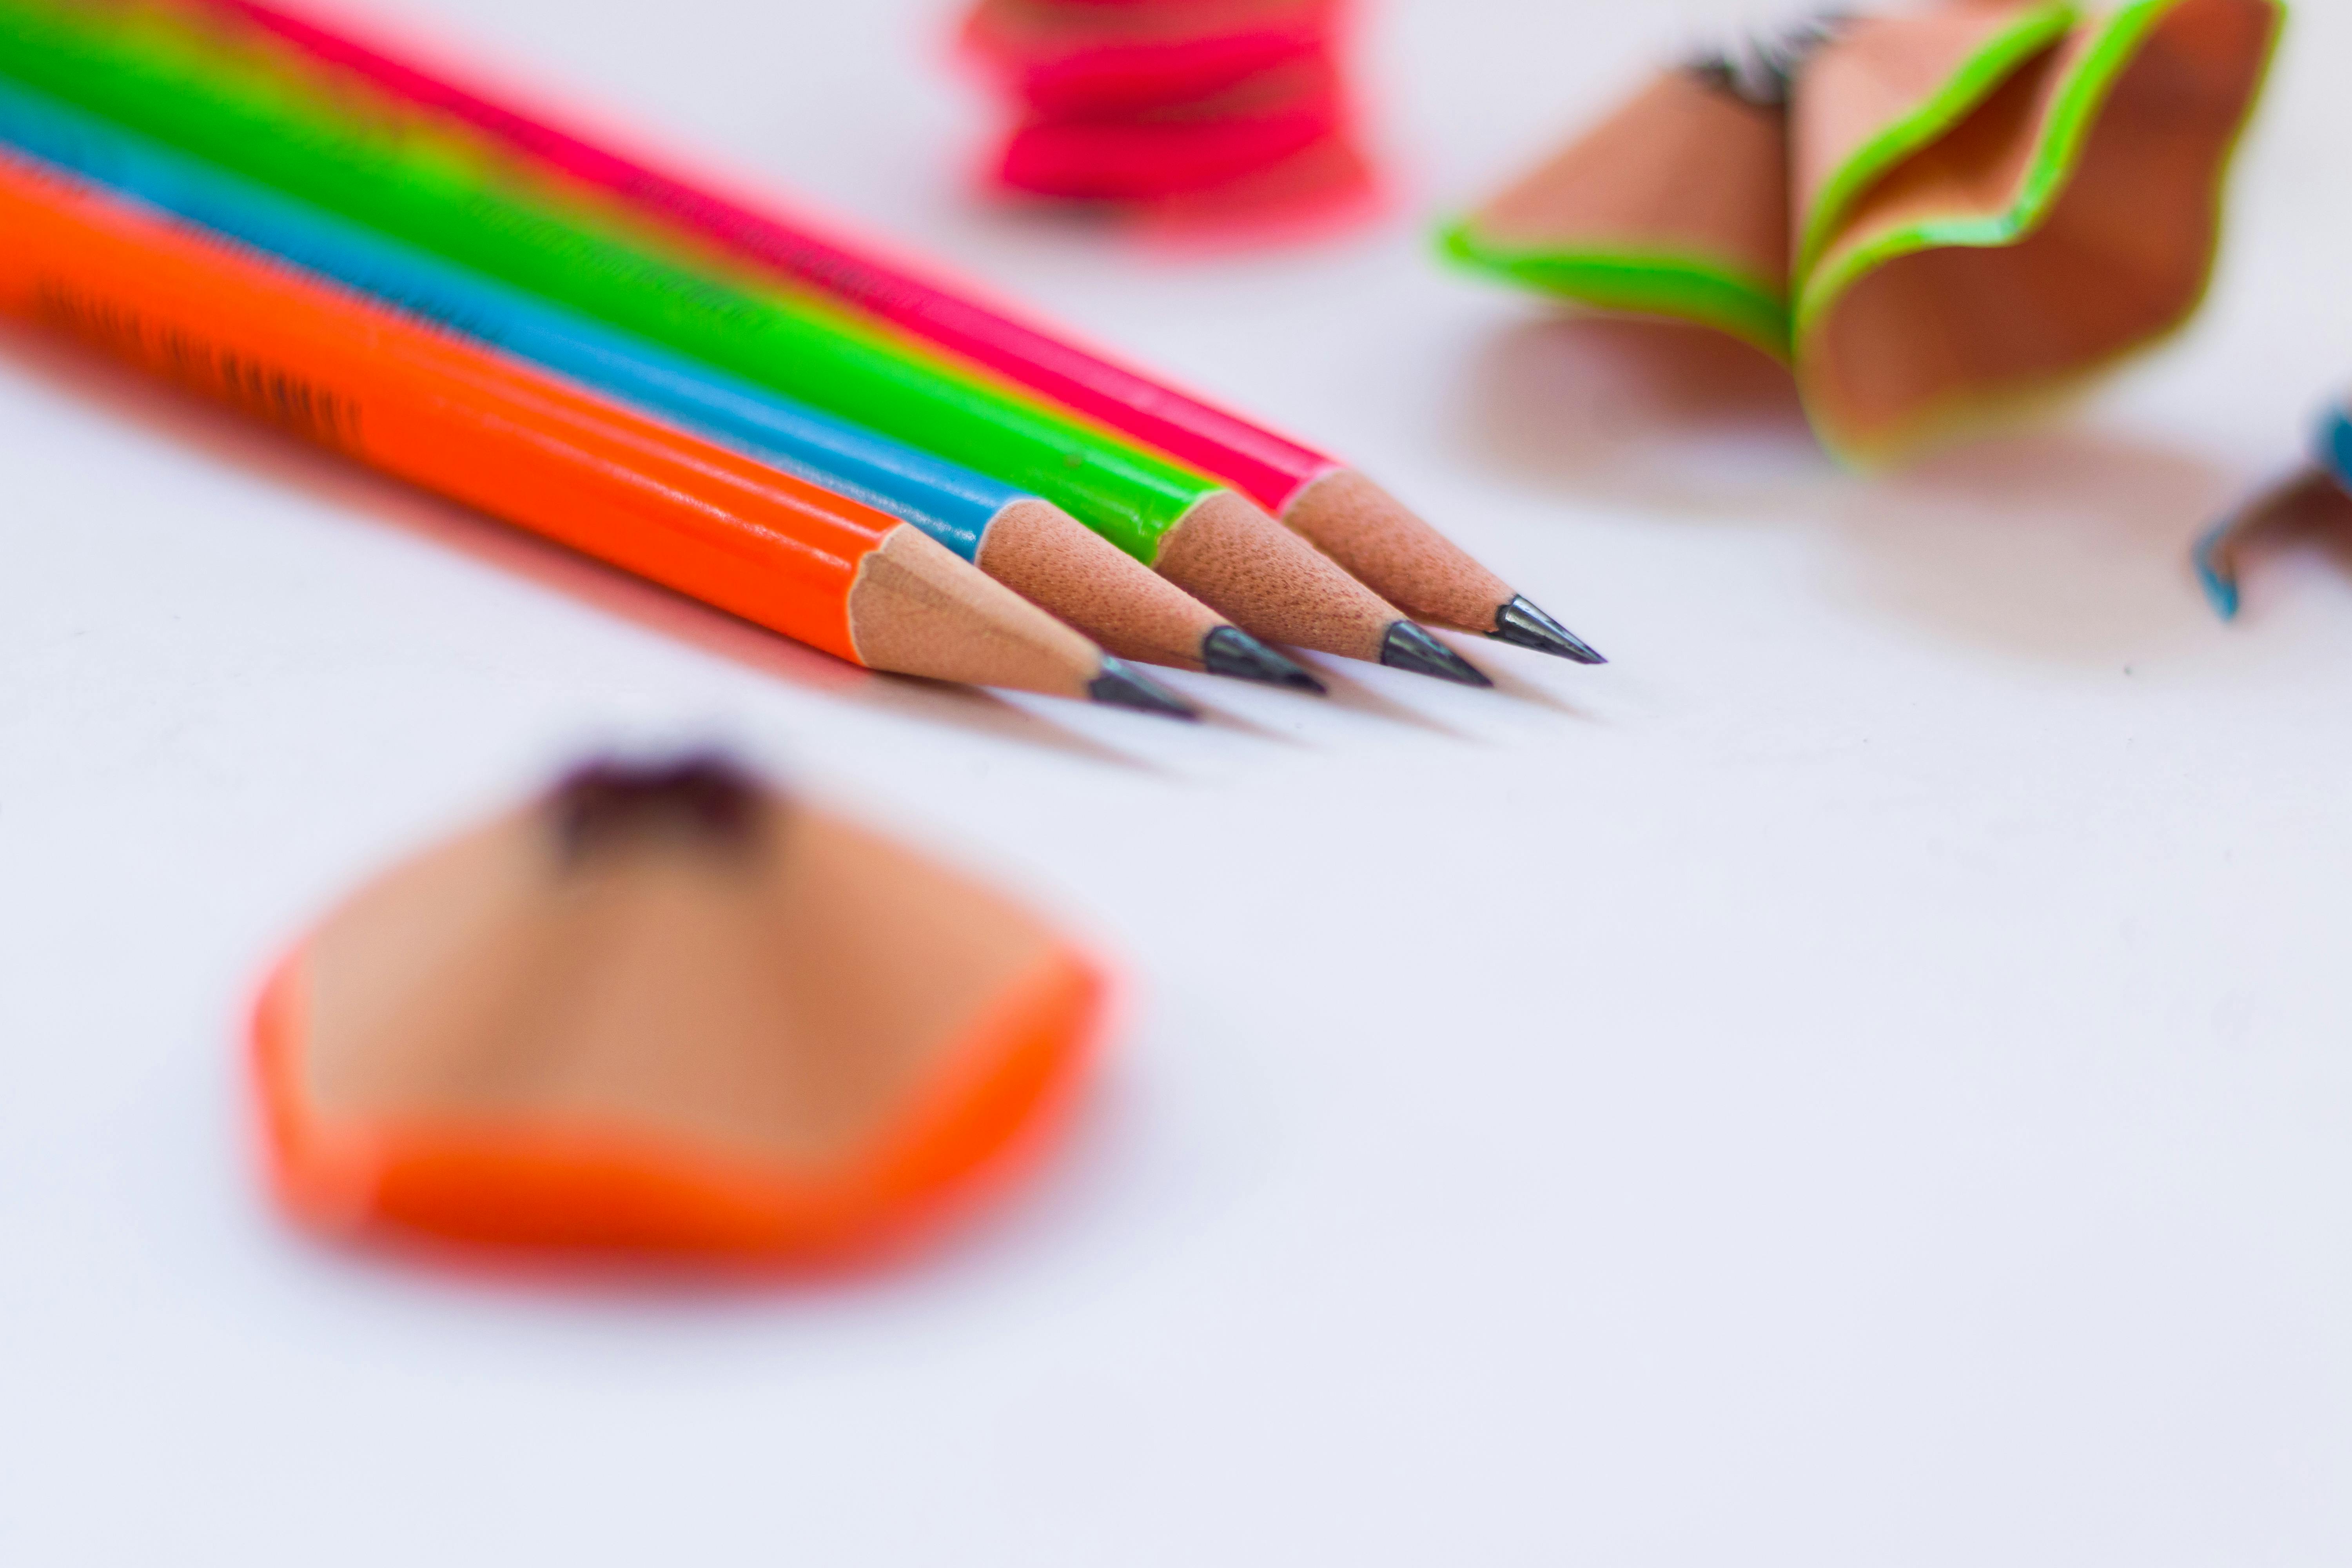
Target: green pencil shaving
[1937, 219]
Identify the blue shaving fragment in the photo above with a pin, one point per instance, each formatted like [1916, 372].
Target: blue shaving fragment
[2215, 573]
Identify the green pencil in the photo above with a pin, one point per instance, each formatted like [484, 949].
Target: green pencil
[426, 184]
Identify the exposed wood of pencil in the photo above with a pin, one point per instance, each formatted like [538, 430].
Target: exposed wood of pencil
[1388, 548]
[919, 609]
[1272, 582]
[2122, 256]
[1050, 557]
[1682, 169]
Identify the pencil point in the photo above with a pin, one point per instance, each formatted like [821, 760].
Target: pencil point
[1229, 650]
[1119, 684]
[1522, 625]
[1408, 646]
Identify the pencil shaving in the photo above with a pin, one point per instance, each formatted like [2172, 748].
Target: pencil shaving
[665, 1010]
[1938, 218]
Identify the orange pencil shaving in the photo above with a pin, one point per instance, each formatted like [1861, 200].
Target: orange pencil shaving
[665, 1010]
[519, 445]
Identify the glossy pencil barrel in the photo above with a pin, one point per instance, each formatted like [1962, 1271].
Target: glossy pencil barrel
[141, 71]
[1270, 468]
[953, 505]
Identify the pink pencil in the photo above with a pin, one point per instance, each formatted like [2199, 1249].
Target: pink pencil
[1386, 545]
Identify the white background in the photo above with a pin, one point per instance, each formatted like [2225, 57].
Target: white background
[1864, 1079]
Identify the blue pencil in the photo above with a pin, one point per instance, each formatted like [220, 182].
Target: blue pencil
[1022, 541]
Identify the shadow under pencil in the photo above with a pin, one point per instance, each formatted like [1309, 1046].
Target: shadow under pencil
[1519, 689]
[1352, 695]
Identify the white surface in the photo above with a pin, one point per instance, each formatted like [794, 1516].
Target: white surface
[1866, 1080]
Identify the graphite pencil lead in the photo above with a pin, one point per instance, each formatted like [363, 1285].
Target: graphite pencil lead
[1408, 646]
[1229, 650]
[1522, 625]
[1121, 686]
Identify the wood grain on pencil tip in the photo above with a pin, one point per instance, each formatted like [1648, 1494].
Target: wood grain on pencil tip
[1231, 553]
[1382, 542]
[1131, 610]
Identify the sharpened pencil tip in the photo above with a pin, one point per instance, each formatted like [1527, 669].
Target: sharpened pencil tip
[1522, 625]
[1229, 650]
[1408, 646]
[1119, 684]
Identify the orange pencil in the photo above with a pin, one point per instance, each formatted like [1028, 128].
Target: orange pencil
[513, 442]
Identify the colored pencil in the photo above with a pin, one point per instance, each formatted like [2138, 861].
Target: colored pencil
[140, 68]
[1030, 545]
[510, 440]
[1379, 539]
